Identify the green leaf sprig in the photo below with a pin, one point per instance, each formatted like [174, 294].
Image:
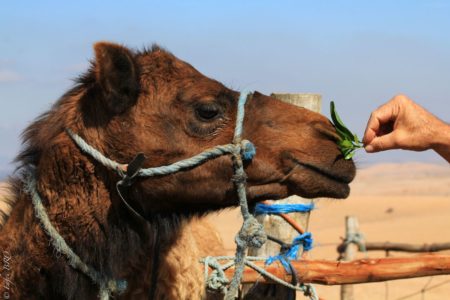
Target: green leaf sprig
[349, 141]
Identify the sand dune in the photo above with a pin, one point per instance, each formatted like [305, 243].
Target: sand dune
[415, 179]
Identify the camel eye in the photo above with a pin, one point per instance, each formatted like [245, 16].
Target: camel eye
[208, 112]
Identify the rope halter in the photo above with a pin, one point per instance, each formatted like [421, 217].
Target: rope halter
[251, 234]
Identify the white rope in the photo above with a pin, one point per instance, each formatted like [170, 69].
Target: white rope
[218, 275]
[107, 286]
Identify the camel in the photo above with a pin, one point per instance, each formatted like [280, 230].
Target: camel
[150, 102]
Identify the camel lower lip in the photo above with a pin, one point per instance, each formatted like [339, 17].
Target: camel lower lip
[321, 171]
[270, 191]
[294, 185]
[323, 183]
[334, 190]
[304, 180]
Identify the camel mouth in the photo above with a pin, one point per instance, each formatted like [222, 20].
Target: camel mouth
[340, 177]
[268, 191]
[312, 180]
[317, 185]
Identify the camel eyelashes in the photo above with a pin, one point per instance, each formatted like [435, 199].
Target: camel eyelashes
[208, 119]
[208, 111]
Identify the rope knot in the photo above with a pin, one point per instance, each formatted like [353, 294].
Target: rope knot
[248, 150]
[117, 286]
[217, 281]
[252, 233]
[290, 251]
[239, 178]
[305, 240]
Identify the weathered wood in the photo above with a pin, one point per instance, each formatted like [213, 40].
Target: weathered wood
[277, 226]
[351, 229]
[402, 247]
[310, 101]
[359, 271]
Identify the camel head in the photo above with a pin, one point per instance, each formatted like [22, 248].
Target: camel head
[157, 104]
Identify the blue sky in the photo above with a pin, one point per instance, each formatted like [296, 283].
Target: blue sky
[357, 53]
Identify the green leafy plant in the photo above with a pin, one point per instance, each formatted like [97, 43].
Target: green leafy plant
[349, 141]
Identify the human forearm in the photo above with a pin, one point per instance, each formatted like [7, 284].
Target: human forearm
[403, 124]
[442, 142]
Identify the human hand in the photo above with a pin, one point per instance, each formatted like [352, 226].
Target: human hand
[403, 124]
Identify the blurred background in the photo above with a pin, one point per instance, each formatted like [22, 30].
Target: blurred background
[357, 53]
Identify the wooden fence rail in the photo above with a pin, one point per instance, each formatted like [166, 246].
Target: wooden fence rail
[398, 247]
[395, 268]
[402, 247]
[357, 271]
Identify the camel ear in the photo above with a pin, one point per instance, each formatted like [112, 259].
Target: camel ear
[116, 73]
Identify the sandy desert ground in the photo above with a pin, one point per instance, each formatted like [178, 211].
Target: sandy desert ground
[393, 202]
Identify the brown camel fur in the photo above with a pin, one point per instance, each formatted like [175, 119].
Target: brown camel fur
[154, 103]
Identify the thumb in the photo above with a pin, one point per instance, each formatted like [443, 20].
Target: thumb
[381, 143]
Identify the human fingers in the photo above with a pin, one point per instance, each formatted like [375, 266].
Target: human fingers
[379, 117]
[381, 143]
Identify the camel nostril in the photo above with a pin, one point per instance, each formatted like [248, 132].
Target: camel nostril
[327, 130]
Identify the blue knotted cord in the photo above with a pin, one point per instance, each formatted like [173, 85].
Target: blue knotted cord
[305, 240]
[217, 279]
[276, 209]
[290, 251]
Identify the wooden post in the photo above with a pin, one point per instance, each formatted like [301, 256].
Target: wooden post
[275, 225]
[351, 229]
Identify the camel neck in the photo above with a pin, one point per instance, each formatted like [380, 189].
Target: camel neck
[107, 286]
[78, 205]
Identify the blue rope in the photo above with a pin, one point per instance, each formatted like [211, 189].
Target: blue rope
[305, 240]
[275, 209]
